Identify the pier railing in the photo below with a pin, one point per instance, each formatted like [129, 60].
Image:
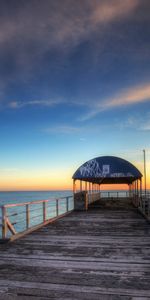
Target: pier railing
[21, 218]
[93, 197]
[114, 194]
[142, 202]
[83, 199]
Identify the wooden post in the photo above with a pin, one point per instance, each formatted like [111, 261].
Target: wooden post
[57, 207]
[140, 204]
[89, 188]
[92, 187]
[141, 187]
[148, 207]
[144, 170]
[85, 185]
[44, 211]
[80, 185]
[74, 186]
[10, 227]
[4, 224]
[67, 204]
[137, 192]
[27, 216]
[130, 190]
[86, 201]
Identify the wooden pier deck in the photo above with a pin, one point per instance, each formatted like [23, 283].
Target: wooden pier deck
[103, 253]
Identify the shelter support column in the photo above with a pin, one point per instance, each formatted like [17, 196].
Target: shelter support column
[74, 186]
[80, 185]
[130, 189]
[85, 185]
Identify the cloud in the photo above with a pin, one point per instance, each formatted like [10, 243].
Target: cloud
[145, 126]
[130, 96]
[136, 121]
[36, 27]
[106, 11]
[54, 23]
[62, 129]
[31, 30]
[20, 104]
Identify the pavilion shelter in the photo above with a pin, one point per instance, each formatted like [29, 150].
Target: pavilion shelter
[107, 170]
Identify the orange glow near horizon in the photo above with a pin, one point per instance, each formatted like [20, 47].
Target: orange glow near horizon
[58, 179]
[31, 185]
[42, 181]
[19, 186]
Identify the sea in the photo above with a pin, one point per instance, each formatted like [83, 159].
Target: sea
[27, 196]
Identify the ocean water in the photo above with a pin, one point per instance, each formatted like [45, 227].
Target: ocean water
[20, 197]
[17, 215]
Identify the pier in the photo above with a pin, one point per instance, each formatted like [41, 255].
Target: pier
[90, 246]
[102, 253]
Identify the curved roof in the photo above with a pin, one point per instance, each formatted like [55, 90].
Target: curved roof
[107, 169]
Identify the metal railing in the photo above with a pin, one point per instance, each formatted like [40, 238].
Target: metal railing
[21, 218]
[114, 194]
[94, 196]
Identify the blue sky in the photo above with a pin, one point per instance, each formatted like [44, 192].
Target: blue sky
[74, 84]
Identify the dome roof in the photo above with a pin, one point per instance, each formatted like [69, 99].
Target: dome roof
[107, 169]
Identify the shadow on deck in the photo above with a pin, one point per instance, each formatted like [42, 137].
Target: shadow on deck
[103, 253]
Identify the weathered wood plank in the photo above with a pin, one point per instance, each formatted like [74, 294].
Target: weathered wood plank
[74, 288]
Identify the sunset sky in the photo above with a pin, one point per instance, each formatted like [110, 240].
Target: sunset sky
[74, 85]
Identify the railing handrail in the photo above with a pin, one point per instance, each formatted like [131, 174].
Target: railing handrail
[8, 224]
[34, 202]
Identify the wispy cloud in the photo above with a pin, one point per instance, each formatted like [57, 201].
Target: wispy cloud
[62, 129]
[20, 104]
[135, 121]
[126, 97]
[145, 126]
[106, 11]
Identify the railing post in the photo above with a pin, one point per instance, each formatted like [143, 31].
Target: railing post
[140, 202]
[44, 211]
[4, 224]
[86, 201]
[57, 207]
[27, 216]
[143, 205]
[148, 204]
[67, 204]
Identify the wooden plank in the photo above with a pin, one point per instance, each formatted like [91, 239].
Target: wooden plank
[48, 257]
[75, 289]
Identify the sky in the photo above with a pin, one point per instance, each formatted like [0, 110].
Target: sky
[74, 85]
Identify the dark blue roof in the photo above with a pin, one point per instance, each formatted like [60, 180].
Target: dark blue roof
[107, 169]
